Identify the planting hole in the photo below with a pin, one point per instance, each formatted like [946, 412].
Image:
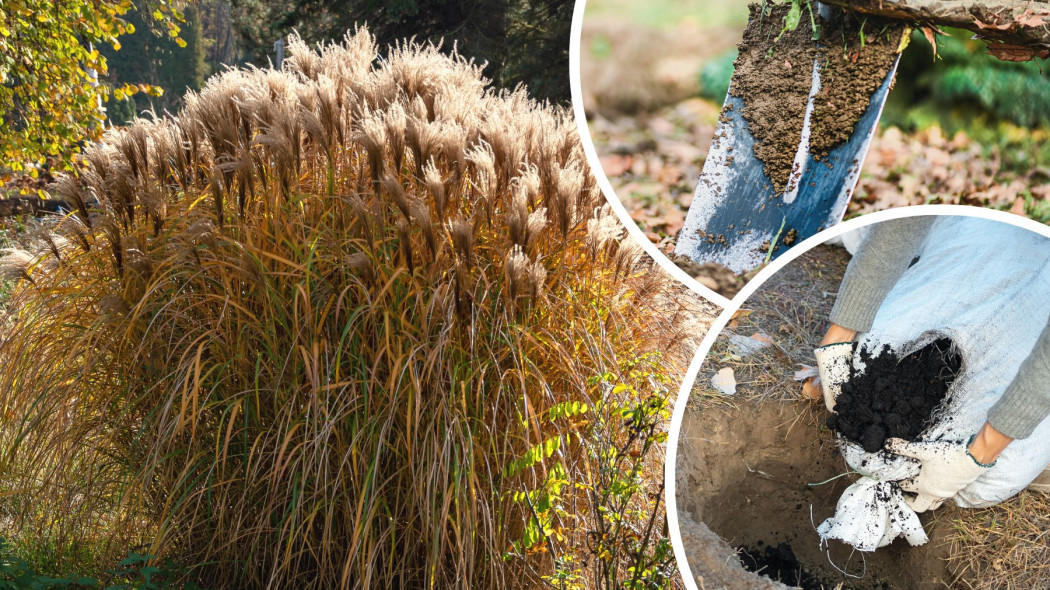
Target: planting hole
[749, 471]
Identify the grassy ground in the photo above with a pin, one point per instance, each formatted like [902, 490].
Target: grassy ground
[791, 309]
[1003, 547]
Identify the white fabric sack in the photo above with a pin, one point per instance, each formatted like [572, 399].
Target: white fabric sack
[985, 285]
[872, 513]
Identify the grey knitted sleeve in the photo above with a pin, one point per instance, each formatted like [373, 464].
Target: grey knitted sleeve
[1026, 401]
[879, 262]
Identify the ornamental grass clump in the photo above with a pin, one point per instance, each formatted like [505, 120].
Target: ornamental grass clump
[310, 332]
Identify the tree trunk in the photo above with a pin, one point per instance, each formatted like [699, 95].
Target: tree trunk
[1008, 23]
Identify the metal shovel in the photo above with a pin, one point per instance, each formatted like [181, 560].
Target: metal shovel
[739, 220]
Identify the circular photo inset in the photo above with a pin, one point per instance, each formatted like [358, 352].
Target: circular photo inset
[873, 414]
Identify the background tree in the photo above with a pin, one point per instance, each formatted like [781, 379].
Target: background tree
[221, 46]
[539, 35]
[520, 41]
[53, 76]
[154, 57]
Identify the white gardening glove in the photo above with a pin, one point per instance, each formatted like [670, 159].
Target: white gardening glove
[833, 362]
[946, 468]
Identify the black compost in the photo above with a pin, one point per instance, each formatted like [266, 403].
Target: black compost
[895, 397]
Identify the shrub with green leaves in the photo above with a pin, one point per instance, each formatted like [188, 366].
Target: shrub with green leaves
[966, 77]
[320, 331]
[715, 76]
[49, 69]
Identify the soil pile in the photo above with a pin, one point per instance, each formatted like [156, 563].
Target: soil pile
[773, 75]
[894, 397]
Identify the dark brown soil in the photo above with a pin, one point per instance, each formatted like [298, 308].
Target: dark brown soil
[894, 397]
[778, 563]
[757, 474]
[760, 467]
[773, 75]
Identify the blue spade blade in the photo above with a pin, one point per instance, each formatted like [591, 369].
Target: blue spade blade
[737, 216]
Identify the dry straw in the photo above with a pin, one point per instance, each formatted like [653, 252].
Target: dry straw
[1003, 546]
[294, 335]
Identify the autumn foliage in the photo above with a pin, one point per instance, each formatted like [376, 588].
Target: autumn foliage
[52, 75]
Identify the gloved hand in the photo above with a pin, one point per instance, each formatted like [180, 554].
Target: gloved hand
[833, 362]
[946, 468]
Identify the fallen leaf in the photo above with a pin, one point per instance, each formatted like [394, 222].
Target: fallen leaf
[661, 126]
[1041, 192]
[615, 164]
[998, 27]
[683, 152]
[668, 175]
[740, 313]
[1018, 207]
[743, 346]
[1032, 18]
[762, 337]
[672, 227]
[812, 391]
[712, 284]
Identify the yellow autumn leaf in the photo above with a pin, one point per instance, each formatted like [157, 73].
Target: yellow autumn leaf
[905, 39]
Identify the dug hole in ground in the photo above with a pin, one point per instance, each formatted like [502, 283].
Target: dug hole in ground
[757, 471]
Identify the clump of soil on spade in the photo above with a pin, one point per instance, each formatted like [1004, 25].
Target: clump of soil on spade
[857, 56]
[773, 76]
[894, 397]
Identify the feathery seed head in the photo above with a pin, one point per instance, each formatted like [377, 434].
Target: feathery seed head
[16, 264]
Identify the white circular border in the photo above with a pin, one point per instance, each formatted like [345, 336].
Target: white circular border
[729, 307]
[719, 324]
[636, 232]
